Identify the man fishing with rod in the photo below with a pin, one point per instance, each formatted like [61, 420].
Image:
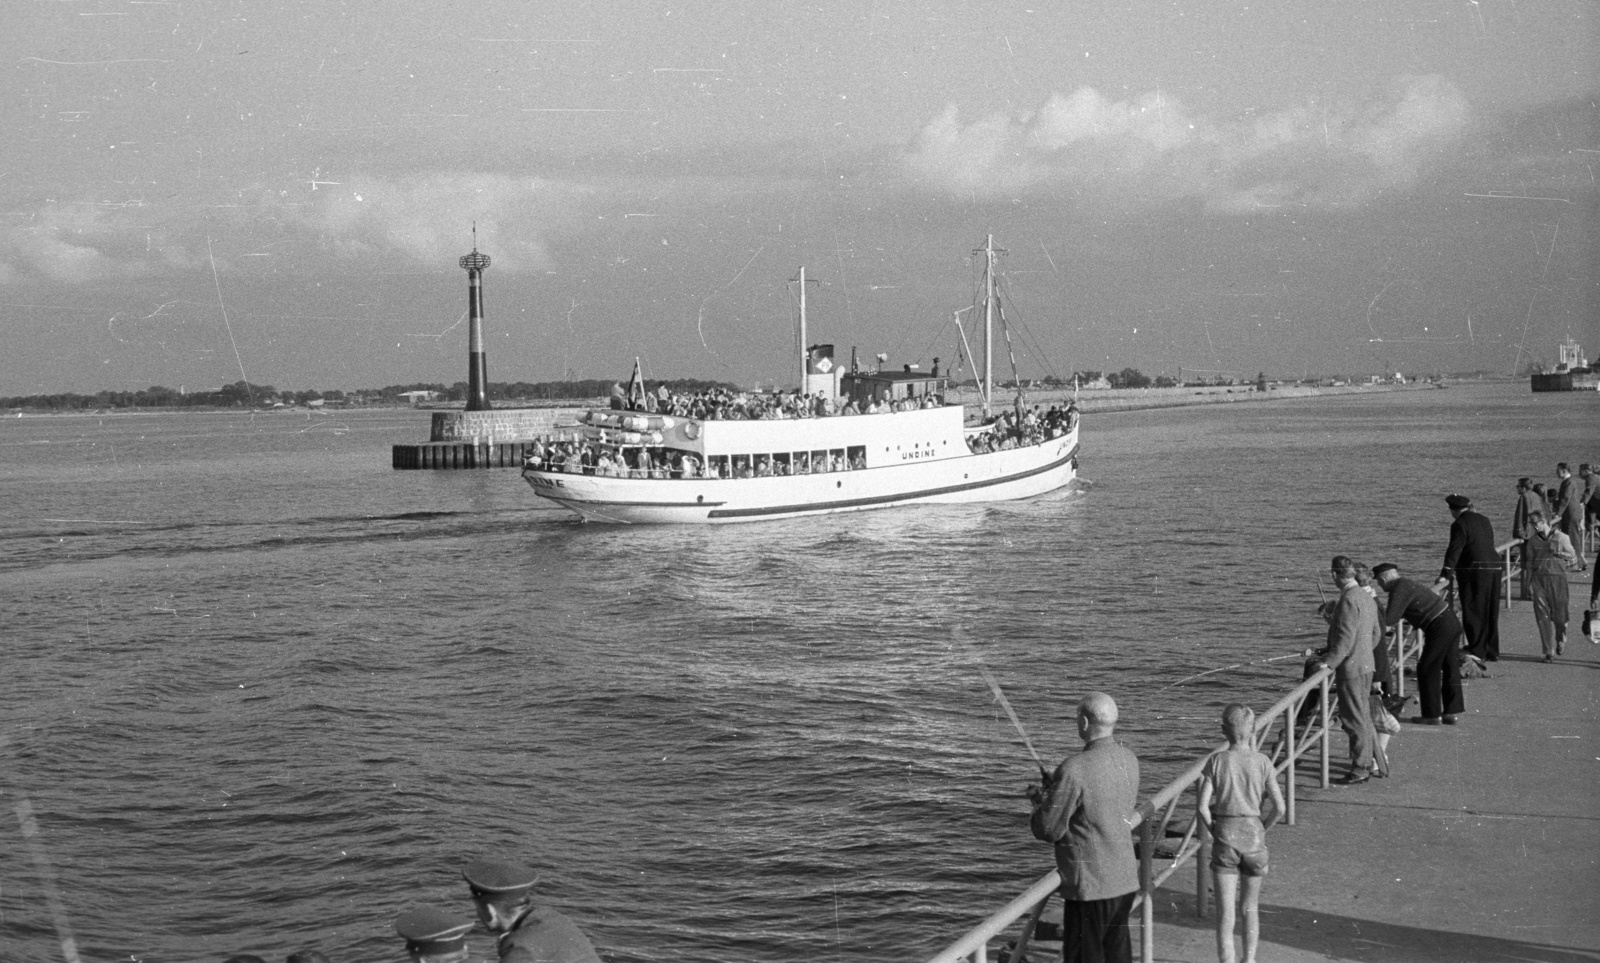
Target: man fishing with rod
[1085, 810]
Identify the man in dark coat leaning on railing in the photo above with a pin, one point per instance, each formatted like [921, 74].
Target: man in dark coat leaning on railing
[1087, 811]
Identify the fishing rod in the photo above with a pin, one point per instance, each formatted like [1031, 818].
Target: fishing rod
[1000, 696]
[1005, 704]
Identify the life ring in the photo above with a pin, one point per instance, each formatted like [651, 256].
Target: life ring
[691, 430]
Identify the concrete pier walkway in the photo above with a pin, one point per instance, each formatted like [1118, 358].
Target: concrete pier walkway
[1482, 846]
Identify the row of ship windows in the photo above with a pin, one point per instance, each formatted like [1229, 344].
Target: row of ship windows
[814, 462]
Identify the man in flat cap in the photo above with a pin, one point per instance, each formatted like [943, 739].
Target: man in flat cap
[1439, 667]
[1472, 560]
[433, 936]
[503, 892]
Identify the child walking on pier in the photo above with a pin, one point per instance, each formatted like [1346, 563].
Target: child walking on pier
[1233, 786]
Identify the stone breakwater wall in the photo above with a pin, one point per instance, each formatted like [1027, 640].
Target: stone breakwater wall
[1133, 399]
[499, 425]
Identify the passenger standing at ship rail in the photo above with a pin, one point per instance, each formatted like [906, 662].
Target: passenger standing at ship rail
[1549, 551]
[1569, 511]
[1085, 811]
[503, 894]
[1353, 631]
[1439, 666]
[1233, 787]
[1471, 558]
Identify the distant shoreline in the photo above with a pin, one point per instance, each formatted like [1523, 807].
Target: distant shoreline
[1089, 400]
[1137, 399]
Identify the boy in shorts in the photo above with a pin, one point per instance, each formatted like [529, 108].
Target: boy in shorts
[1233, 786]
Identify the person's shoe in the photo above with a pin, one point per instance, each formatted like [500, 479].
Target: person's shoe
[1549, 658]
[1449, 720]
[1380, 774]
[1352, 779]
[1424, 720]
[1561, 646]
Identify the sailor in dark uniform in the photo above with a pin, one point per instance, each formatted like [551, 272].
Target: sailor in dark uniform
[1472, 559]
[503, 892]
[433, 936]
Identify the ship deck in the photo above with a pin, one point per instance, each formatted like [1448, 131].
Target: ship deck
[1483, 845]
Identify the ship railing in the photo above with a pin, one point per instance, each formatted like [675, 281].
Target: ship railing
[1304, 726]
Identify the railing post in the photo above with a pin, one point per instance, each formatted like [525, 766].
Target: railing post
[1505, 577]
[1327, 719]
[1400, 658]
[1147, 908]
[1294, 761]
[1202, 865]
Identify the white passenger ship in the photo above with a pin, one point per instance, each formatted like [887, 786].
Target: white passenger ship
[766, 469]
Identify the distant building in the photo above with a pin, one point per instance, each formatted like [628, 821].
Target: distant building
[418, 397]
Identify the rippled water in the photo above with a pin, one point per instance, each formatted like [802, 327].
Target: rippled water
[263, 692]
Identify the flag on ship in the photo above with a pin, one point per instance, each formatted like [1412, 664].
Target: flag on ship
[819, 359]
[636, 388]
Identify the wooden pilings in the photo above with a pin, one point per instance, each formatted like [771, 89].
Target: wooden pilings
[438, 455]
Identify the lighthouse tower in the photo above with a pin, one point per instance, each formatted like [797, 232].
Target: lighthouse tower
[477, 362]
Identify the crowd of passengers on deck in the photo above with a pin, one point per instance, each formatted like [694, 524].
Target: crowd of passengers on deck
[724, 405]
[1015, 428]
[582, 458]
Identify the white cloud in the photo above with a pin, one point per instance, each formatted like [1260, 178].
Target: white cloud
[1154, 148]
[429, 219]
[426, 219]
[72, 244]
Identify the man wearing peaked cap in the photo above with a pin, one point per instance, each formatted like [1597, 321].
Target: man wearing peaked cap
[433, 936]
[1475, 564]
[503, 892]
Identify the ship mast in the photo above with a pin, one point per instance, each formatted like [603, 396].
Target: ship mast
[988, 251]
[805, 389]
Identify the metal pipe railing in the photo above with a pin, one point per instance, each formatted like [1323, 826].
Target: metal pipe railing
[973, 946]
[1505, 570]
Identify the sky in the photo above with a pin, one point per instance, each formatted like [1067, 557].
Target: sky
[192, 193]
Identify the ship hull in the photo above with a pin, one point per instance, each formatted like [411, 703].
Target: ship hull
[995, 476]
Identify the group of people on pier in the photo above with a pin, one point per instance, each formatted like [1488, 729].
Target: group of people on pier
[1085, 807]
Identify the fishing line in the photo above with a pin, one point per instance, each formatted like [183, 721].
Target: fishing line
[47, 875]
[1236, 665]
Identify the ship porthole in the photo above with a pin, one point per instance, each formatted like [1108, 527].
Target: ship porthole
[700, 499]
[838, 484]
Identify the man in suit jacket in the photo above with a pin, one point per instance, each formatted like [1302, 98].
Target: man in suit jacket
[1085, 812]
[1354, 628]
[1527, 503]
[1569, 511]
[1475, 565]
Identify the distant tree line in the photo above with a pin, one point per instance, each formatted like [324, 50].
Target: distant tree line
[243, 394]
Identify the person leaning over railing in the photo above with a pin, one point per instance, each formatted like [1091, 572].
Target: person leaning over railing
[1086, 810]
[1439, 666]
